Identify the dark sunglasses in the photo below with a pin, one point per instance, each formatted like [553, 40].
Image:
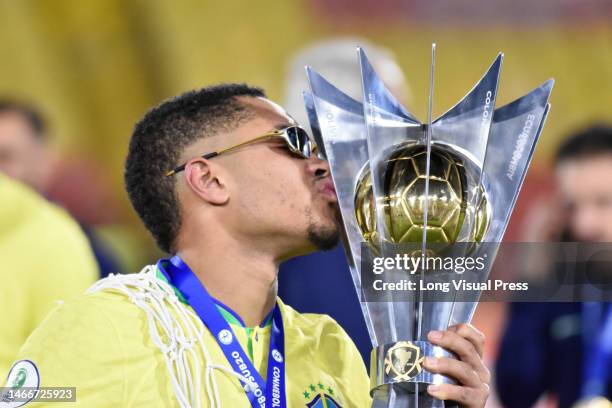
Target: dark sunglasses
[297, 139]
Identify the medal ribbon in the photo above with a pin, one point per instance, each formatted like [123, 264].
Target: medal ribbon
[266, 394]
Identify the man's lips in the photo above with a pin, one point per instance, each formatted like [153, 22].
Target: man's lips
[326, 187]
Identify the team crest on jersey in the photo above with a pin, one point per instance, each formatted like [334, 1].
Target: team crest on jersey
[321, 396]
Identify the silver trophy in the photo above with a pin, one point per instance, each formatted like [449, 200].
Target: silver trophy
[435, 185]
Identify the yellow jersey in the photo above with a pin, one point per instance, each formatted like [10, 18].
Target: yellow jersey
[45, 258]
[133, 341]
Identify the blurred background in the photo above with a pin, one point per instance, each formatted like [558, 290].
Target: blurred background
[93, 68]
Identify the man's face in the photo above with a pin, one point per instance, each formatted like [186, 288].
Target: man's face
[20, 149]
[586, 189]
[275, 197]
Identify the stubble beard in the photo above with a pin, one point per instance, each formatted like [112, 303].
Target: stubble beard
[324, 237]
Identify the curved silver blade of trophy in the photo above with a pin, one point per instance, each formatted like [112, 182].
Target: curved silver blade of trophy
[340, 121]
[515, 131]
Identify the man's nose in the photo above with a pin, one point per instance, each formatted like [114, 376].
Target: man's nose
[317, 167]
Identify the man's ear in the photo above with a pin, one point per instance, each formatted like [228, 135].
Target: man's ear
[206, 182]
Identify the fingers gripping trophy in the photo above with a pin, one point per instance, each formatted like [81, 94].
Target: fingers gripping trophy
[446, 185]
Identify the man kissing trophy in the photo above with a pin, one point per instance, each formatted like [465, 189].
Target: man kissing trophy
[447, 186]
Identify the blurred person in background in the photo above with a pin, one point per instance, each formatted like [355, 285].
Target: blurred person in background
[300, 278]
[564, 350]
[226, 180]
[45, 258]
[336, 59]
[72, 184]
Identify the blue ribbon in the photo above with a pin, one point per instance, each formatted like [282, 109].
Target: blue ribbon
[266, 394]
[597, 334]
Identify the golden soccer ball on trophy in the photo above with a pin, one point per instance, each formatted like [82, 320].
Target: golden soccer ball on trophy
[451, 217]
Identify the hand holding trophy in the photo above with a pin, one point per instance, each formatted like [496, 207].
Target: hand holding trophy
[444, 187]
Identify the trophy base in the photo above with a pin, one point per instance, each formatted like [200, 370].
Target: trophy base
[400, 364]
[400, 396]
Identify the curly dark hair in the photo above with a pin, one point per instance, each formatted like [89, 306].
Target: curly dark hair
[158, 141]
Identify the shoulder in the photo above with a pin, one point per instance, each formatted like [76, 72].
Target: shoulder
[81, 344]
[112, 340]
[89, 319]
[112, 307]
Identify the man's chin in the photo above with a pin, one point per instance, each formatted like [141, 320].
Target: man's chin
[324, 238]
[324, 230]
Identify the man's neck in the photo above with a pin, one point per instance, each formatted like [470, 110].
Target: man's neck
[245, 281]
